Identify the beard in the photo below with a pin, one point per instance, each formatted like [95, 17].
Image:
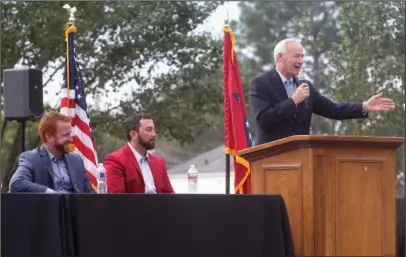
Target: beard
[63, 147]
[148, 145]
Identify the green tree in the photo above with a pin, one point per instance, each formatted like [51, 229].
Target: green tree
[371, 59]
[120, 43]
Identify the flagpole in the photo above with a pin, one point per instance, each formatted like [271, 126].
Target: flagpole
[226, 25]
[227, 174]
[70, 27]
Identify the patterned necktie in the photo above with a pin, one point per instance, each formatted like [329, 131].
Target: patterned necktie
[290, 88]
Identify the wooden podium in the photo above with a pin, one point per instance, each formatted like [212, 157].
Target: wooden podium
[339, 191]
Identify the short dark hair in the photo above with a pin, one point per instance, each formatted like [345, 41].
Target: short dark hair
[133, 123]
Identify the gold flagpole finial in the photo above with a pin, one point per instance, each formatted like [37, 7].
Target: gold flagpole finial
[71, 11]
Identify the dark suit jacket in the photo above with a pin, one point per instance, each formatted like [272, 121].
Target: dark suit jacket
[35, 174]
[124, 174]
[277, 116]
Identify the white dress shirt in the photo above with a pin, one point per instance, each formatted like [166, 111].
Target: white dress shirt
[143, 162]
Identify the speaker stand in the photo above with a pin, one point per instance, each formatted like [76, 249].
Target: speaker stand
[22, 131]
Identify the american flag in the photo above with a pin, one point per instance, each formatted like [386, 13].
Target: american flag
[73, 104]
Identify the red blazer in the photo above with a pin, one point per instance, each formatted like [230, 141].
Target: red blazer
[124, 174]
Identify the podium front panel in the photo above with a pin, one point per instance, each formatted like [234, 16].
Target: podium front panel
[340, 201]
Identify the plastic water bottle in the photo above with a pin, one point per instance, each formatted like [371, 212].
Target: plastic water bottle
[192, 175]
[101, 179]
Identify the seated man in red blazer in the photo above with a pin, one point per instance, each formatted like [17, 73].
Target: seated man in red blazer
[131, 169]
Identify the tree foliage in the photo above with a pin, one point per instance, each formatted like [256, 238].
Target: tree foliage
[122, 43]
[371, 59]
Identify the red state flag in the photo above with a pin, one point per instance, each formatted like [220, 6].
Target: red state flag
[236, 126]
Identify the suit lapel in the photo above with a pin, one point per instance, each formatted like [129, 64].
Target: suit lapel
[278, 87]
[132, 159]
[47, 162]
[71, 166]
[153, 165]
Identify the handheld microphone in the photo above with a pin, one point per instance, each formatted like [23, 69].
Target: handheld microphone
[306, 101]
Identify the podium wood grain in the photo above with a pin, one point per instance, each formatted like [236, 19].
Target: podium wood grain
[339, 191]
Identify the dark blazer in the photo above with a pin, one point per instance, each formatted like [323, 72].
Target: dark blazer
[35, 174]
[277, 116]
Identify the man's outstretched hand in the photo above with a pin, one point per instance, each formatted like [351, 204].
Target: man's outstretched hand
[377, 103]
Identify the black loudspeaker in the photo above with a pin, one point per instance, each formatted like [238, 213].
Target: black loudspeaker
[22, 93]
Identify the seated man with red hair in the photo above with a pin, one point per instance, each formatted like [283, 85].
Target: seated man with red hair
[51, 167]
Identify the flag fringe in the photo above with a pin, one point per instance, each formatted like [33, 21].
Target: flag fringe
[230, 31]
[242, 161]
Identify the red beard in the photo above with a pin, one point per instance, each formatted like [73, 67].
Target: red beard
[64, 148]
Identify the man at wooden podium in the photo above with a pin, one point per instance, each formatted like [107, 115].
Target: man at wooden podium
[283, 105]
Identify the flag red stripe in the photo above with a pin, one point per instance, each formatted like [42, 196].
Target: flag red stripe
[84, 149]
[92, 178]
[82, 126]
[64, 102]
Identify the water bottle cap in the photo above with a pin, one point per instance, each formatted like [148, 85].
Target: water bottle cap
[192, 169]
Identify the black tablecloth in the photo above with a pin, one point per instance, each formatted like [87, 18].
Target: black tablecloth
[31, 225]
[180, 225]
[69, 225]
[400, 227]
[144, 225]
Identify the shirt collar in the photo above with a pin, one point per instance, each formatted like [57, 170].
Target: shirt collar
[136, 154]
[52, 157]
[284, 79]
